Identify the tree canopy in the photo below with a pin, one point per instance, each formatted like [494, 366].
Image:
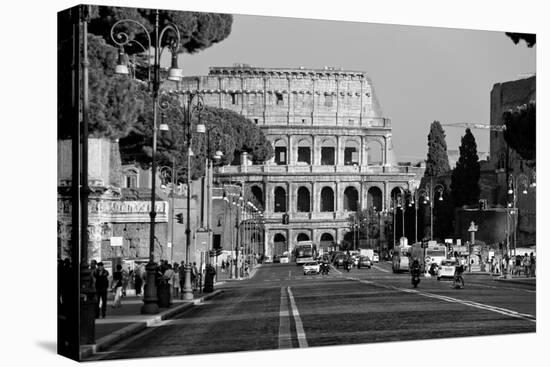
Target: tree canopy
[529, 38]
[437, 161]
[465, 177]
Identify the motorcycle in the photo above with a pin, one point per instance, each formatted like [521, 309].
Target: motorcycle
[415, 277]
[324, 269]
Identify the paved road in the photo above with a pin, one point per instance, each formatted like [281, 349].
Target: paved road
[282, 308]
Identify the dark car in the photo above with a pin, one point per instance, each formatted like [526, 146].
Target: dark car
[364, 262]
[339, 260]
[276, 259]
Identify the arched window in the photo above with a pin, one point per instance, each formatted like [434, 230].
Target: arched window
[279, 244]
[328, 152]
[374, 198]
[280, 152]
[351, 198]
[303, 204]
[304, 152]
[258, 195]
[327, 237]
[351, 153]
[327, 199]
[375, 154]
[302, 237]
[280, 200]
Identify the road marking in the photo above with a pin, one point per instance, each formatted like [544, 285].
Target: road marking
[284, 322]
[302, 341]
[500, 310]
[381, 269]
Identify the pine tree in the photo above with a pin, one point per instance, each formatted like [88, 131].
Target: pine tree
[437, 161]
[465, 177]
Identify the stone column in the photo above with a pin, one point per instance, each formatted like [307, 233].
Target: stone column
[290, 153]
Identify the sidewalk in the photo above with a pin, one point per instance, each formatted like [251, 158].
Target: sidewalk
[127, 320]
[517, 279]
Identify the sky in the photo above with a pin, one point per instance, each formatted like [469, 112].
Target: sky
[420, 74]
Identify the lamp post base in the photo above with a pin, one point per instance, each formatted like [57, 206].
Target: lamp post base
[88, 302]
[187, 289]
[150, 299]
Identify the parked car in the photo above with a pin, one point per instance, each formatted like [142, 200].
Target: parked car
[312, 268]
[283, 259]
[364, 262]
[375, 257]
[447, 269]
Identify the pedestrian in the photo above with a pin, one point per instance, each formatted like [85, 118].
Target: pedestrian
[533, 267]
[137, 280]
[125, 281]
[176, 285]
[223, 266]
[518, 264]
[526, 265]
[116, 286]
[101, 285]
[169, 279]
[182, 278]
[194, 275]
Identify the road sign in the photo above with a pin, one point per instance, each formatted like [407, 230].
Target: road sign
[116, 241]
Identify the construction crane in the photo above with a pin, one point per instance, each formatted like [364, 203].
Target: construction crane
[472, 125]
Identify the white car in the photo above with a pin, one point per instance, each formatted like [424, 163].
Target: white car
[283, 259]
[312, 268]
[447, 269]
[375, 257]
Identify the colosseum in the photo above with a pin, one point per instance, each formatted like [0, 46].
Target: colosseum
[333, 150]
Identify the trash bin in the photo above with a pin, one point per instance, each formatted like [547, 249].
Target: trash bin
[209, 279]
[163, 294]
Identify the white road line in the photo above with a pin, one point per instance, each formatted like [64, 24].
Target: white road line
[381, 269]
[302, 341]
[284, 322]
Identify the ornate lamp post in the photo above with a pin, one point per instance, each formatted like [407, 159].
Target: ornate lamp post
[428, 193]
[121, 38]
[171, 174]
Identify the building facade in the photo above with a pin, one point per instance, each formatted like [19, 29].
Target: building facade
[333, 148]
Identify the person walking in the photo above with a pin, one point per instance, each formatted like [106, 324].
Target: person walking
[182, 278]
[169, 279]
[194, 276]
[177, 283]
[527, 265]
[137, 280]
[116, 286]
[101, 277]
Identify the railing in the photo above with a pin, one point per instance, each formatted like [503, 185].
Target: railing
[272, 168]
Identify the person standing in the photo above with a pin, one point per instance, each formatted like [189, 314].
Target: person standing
[526, 265]
[532, 267]
[182, 278]
[176, 281]
[169, 279]
[101, 277]
[194, 275]
[116, 285]
[137, 280]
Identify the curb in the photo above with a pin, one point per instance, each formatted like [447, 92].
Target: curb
[113, 338]
[526, 281]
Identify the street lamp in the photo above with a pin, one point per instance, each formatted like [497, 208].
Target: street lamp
[514, 183]
[428, 195]
[121, 38]
[209, 178]
[172, 174]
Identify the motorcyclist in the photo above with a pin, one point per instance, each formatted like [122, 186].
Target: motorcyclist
[415, 272]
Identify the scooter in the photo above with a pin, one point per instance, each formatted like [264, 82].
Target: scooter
[324, 269]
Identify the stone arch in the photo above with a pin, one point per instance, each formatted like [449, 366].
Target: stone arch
[374, 198]
[303, 200]
[328, 151]
[279, 193]
[375, 149]
[352, 147]
[351, 199]
[302, 237]
[326, 240]
[258, 194]
[303, 148]
[281, 151]
[327, 199]
[280, 244]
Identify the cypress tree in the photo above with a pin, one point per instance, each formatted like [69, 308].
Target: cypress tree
[437, 161]
[465, 177]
